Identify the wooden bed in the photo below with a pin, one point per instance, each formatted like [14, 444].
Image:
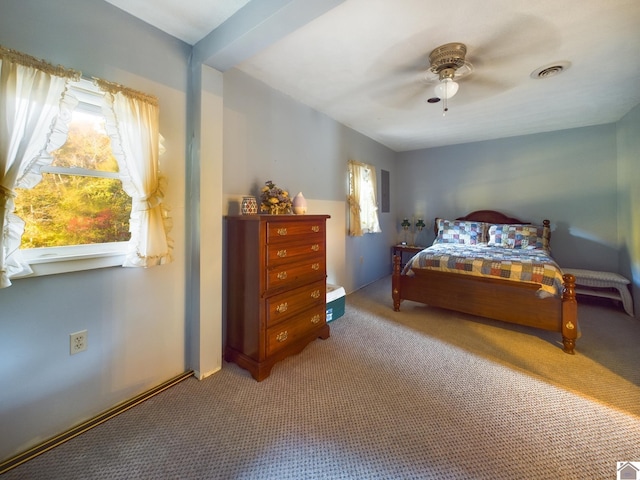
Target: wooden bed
[494, 298]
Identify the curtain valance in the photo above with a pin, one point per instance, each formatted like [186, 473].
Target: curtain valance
[115, 88]
[25, 60]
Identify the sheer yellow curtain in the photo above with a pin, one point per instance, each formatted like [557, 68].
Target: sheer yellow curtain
[132, 122]
[363, 206]
[34, 115]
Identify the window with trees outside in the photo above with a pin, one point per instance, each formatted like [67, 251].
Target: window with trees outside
[80, 208]
[80, 183]
[80, 199]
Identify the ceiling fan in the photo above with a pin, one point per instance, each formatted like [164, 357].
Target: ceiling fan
[399, 74]
[447, 64]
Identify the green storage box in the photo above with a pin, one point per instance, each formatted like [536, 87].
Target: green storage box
[335, 302]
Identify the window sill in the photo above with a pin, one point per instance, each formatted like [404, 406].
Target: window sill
[51, 261]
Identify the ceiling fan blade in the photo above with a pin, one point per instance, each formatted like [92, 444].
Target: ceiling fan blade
[400, 71]
[401, 95]
[479, 88]
[486, 82]
[524, 31]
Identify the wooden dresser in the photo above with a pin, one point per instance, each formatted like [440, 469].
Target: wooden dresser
[276, 288]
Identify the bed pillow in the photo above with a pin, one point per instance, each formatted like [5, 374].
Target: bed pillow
[460, 232]
[520, 236]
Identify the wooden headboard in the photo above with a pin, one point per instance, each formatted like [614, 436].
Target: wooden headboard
[490, 216]
[486, 216]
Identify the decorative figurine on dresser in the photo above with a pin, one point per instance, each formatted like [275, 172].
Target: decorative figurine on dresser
[276, 288]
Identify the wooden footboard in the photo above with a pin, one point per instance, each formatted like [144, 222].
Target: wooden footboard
[498, 299]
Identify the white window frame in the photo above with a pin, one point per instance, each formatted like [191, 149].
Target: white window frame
[73, 258]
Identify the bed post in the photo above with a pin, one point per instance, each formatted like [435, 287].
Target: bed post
[395, 283]
[570, 329]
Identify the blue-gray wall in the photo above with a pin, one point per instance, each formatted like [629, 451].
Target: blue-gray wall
[135, 317]
[269, 136]
[568, 177]
[628, 136]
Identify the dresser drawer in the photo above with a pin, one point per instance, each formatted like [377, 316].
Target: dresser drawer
[278, 254]
[291, 274]
[309, 231]
[289, 331]
[285, 305]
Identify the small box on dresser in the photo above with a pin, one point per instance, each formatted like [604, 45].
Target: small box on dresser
[276, 288]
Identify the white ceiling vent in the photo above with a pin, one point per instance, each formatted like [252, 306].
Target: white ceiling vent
[550, 70]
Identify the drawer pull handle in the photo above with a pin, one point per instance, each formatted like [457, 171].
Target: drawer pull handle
[315, 294]
[315, 228]
[282, 307]
[282, 253]
[315, 266]
[282, 275]
[315, 319]
[282, 336]
[315, 247]
[282, 231]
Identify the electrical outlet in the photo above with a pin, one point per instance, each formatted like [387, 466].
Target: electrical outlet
[77, 342]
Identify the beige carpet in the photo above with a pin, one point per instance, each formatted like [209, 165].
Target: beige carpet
[419, 394]
[606, 367]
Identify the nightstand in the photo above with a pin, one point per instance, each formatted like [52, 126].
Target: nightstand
[401, 250]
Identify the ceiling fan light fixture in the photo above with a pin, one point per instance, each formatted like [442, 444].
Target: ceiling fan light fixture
[446, 89]
[445, 62]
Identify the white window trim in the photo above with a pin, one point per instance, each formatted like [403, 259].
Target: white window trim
[73, 258]
[84, 172]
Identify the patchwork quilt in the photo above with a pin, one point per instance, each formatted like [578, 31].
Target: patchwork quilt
[524, 265]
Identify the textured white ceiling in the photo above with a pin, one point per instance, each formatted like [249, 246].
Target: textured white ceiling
[363, 63]
[188, 20]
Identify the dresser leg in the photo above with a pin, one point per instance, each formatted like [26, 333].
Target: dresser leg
[325, 332]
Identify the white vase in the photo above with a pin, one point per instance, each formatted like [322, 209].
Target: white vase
[299, 204]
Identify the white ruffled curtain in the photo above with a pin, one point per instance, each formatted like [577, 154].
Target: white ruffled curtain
[363, 206]
[35, 110]
[132, 123]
